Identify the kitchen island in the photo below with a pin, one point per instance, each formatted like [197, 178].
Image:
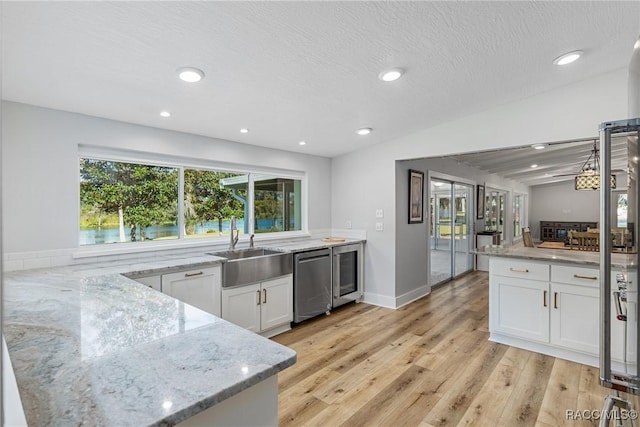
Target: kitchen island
[547, 301]
[91, 347]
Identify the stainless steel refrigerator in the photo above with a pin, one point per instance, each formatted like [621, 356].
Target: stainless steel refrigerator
[619, 244]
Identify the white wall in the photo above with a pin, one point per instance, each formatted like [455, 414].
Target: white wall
[40, 169]
[365, 180]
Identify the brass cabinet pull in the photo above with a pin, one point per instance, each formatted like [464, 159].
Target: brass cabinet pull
[258, 291]
[577, 276]
[555, 300]
[200, 273]
[519, 270]
[544, 298]
[264, 300]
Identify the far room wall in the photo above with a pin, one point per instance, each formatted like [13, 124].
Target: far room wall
[561, 202]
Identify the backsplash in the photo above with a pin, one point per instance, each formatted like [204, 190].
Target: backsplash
[73, 256]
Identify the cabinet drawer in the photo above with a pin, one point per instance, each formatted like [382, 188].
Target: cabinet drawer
[525, 269]
[585, 276]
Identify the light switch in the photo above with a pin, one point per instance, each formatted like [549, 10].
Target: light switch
[379, 226]
[379, 213]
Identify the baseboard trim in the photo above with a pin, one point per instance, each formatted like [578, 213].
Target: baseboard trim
[379, 300]
[395, 302]
[411, 296]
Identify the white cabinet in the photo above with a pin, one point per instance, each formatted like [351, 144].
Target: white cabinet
[260, 307]
[519, 307]
[199, 287]
[154, 282]
[241, 306]
[575, 318]
[553, 309]
[277, 302]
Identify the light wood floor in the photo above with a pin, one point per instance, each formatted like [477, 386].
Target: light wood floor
[427, 364]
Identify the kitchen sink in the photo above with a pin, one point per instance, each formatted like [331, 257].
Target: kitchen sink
[246, 266]
[245, 253]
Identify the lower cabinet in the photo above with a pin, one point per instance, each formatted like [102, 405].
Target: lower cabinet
[519, 307]
[199, 287]
[154, 282]
[575, 317]
[260, 307]
[555, 309]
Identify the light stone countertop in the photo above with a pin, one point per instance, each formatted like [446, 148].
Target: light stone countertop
[92, 347]
[309, 245]
[558, 255]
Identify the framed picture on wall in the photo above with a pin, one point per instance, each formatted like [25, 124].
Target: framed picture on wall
[416, 190]
[480, 202]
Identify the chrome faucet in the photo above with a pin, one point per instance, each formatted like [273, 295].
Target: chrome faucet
[233, 240]
[251, 241]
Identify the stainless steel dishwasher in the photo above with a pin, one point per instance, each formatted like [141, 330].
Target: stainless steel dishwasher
[311, 284]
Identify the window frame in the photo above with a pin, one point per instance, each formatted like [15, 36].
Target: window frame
[182, 163]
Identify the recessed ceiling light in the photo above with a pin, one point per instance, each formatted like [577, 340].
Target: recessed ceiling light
[539, 146]
[637, 44]
[391, 75]
[190, 74]
[568, 58]
[534, 166]
[165, 114]
[302, 143]
[244, 130]
[364, 131]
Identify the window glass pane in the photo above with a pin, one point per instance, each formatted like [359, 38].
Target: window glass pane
[277, 204]
[622, 211]
[517, 221]
[127, 202]
[210, 200]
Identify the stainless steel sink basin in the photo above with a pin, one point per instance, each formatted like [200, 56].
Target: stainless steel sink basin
[245, 253]
[246, 266]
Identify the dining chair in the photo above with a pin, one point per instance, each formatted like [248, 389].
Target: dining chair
[526, 237]
[584, 241]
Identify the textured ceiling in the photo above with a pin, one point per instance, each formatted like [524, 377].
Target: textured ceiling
[292, 71]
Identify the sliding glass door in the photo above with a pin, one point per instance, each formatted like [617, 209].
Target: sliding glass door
[450, 224]
[463, 244]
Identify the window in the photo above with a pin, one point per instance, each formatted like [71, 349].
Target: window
[209, 206]
[133, 202]
[277, 204]
[127, 202]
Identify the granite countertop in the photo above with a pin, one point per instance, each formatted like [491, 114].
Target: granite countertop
[90, 346]
[309, 245]
[558, 255]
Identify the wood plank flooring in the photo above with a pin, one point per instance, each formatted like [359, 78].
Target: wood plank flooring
[427, 364]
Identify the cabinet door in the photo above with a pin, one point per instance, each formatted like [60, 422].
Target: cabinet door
[277, 302]
[199, 288]
[519, 307]
[575, 313]
[242, 306]
[151, 281]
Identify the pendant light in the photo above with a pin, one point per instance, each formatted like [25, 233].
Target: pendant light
[589, 176]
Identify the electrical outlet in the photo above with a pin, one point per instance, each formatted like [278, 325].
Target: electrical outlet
[379, 213]
[348, 224]
[379, 226]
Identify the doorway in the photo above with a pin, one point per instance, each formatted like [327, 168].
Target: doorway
[450, 229]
